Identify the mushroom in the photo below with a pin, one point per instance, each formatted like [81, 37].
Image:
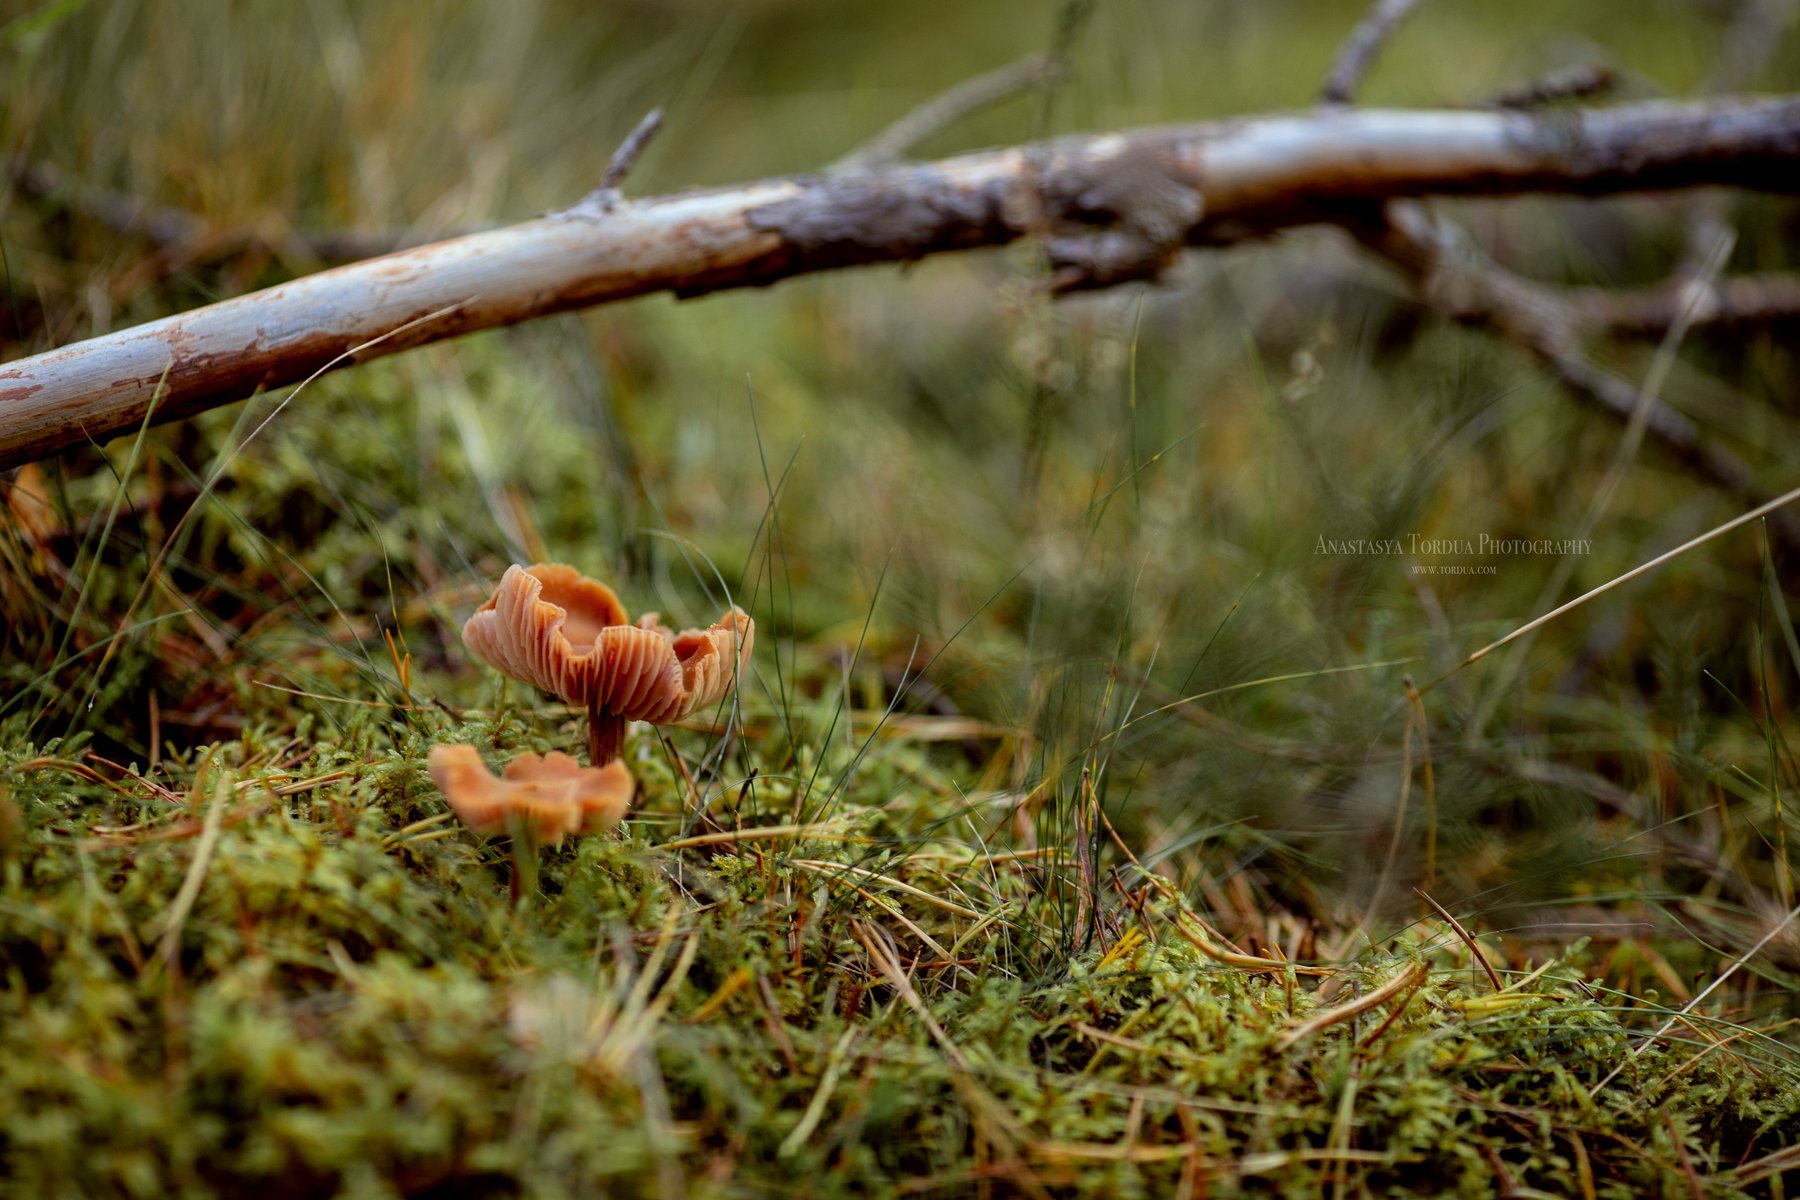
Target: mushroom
[537, 799]
[552, 627]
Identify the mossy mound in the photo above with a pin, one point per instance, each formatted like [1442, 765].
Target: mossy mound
[293, 977]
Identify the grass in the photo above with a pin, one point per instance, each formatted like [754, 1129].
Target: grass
[1064, 839]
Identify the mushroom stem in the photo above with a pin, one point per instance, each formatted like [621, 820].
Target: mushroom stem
[606, 735]
[524, 872]
[524, 854]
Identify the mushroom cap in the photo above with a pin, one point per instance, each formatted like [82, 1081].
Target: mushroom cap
[552, 627]
[545, 796]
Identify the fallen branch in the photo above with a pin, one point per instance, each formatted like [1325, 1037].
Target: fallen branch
[1450, 273]
[1109, 207]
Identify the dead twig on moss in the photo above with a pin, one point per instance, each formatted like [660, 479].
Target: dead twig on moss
[1404, 981]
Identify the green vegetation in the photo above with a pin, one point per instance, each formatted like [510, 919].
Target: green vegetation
[1077, 803]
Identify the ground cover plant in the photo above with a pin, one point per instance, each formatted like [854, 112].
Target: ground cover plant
[1099, 814]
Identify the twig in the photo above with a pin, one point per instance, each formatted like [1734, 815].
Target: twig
[630, 150]
[947, 108]
[1582, 81]
[1467, 940]
[607, 196]
[1301, 1030]
[1758, 299]
[119, 212]
[1360, 49]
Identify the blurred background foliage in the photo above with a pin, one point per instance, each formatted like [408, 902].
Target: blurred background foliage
[1076, 513]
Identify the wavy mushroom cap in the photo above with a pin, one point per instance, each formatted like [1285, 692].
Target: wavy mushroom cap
[554, 628]
[544, 796]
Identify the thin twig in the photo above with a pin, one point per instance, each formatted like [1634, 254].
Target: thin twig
[630, 150]
[1582, 81]
[1467, 939]
[1301, 1030]
[947, 108]
[607, 196]
[1360, 49]
[1758, 299]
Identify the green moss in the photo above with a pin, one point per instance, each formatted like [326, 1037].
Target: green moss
[348, 1006]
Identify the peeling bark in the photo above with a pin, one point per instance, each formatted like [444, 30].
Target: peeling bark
[1108, 207]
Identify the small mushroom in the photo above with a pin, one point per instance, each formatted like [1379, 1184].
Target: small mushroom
[552, 627]
[537, 799]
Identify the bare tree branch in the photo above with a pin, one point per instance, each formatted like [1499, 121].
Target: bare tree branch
[1119, 203]
[1452, 275]
[1745, 300]
[1362, 47]
[947, 108]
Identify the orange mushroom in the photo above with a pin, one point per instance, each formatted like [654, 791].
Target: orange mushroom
[552, 627]
[540, 798]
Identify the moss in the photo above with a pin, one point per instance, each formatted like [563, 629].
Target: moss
[346, 1005]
